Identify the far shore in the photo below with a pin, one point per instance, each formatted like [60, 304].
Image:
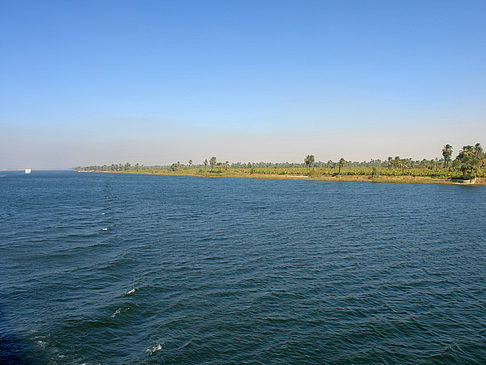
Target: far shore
[347, 178]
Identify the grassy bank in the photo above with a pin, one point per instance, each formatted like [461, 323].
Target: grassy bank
[295, 174]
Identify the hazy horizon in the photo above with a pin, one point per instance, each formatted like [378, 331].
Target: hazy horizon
[154, 82]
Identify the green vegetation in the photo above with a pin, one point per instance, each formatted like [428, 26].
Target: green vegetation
[469, 161]
[469, 164]
[309, 160]
[446, 154]
[341, 164]
[212, 162]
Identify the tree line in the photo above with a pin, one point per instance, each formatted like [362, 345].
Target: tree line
[469, 163]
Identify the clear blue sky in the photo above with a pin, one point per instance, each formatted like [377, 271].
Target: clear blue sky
[93, 82]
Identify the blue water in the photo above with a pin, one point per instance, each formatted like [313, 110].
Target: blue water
[106, 268]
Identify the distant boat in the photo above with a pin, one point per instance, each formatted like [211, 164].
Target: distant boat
[28, 171]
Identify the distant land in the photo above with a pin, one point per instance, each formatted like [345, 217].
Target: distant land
[469, 167]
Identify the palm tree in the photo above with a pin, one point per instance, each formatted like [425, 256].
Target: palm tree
[309, 160]
[447, 153]
[206, 163]
[397, 162]
[478, 151]
[341, 164]
[190, 163]
[212, 162]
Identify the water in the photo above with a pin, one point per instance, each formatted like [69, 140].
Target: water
[104, 268]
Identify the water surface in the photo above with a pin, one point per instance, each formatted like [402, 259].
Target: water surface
[105, 268]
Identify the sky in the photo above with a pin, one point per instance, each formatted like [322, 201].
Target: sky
[155, 82]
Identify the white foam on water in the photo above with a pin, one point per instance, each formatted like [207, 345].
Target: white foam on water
[156, 348]
[104, 229]
[131, 291]
[103, 213]
[117, 312]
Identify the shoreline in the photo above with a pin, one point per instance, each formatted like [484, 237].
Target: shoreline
[344, 178]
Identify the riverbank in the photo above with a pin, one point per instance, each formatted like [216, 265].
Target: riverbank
[348, 178]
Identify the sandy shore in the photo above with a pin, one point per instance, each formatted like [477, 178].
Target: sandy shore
[349, 178]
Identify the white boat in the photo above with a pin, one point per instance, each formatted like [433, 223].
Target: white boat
[28, 171]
